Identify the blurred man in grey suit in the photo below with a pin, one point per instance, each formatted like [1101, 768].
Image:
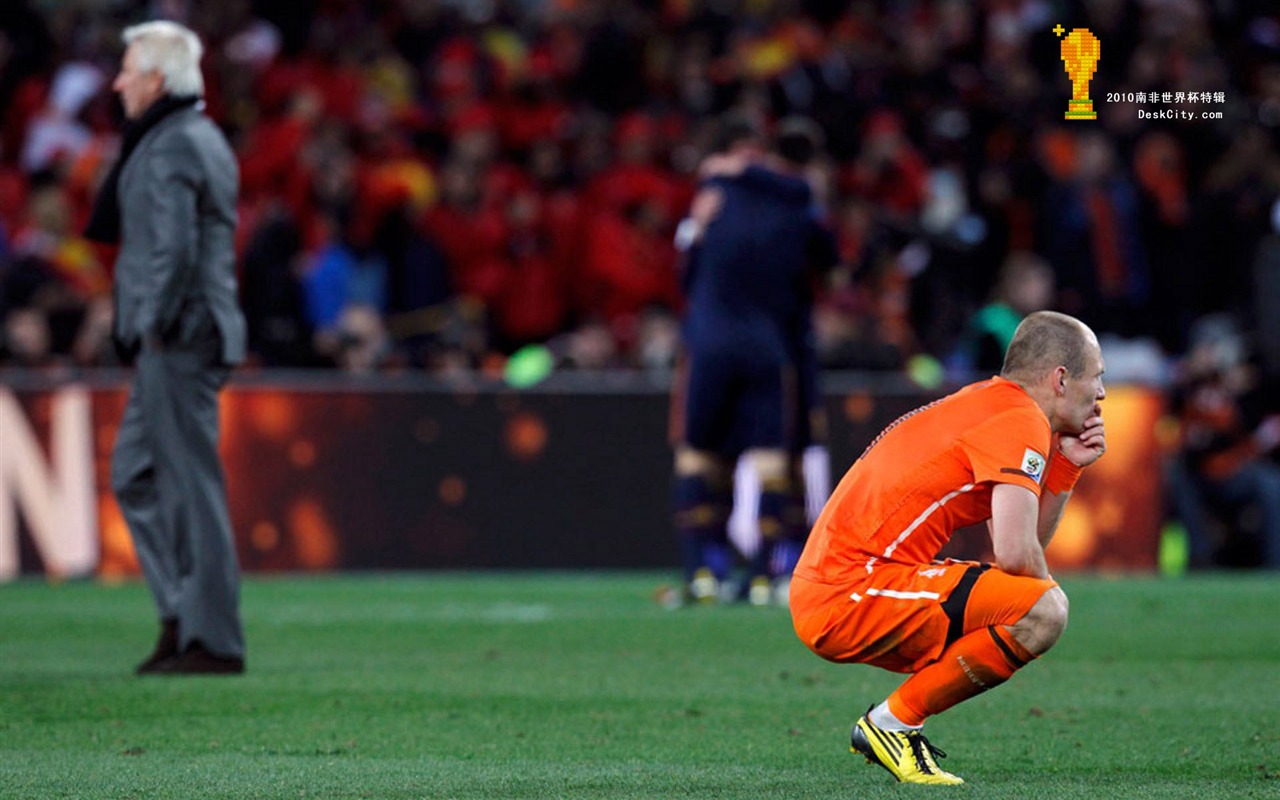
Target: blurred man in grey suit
[170, 202]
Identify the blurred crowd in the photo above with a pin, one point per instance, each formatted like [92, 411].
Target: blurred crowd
[434, 184]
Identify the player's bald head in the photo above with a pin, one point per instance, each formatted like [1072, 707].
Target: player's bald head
[1045, 340]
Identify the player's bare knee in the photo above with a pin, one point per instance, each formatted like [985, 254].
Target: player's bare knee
[768, 463]
[1043, 625]
[697, 462]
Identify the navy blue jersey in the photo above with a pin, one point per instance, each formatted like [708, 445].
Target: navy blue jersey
[747, 281]
[747, 324]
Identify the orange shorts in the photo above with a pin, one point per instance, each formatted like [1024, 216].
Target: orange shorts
[902, 616]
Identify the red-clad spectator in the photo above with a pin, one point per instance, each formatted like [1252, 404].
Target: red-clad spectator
[531, 109]
[637, 176]
[888, 171]
[561, 204]
[629, 263]
[533, 305]
[269, 162]
[13, 198]
[473, 237]
[632, 207]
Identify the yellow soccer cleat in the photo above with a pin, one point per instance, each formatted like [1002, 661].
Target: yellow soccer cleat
[759, 592]
[907, 755]
[704, 587]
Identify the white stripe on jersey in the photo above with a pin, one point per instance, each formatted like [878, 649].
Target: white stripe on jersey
[903, 595]
[934, 506]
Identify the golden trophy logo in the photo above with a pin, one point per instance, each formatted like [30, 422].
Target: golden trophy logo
[1080, 53]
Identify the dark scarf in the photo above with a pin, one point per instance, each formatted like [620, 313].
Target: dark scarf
[104, 221]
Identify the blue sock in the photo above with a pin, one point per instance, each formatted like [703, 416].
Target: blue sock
[786, 553]
[701, 511]
[772, 515]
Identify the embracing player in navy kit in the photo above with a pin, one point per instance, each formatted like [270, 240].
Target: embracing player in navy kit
[752, 244]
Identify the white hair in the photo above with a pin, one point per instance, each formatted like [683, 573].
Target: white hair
[170, 49]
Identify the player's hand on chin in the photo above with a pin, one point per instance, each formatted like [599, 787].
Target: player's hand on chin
[1087, 446]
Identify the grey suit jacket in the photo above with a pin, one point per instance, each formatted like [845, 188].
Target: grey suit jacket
[175, 278]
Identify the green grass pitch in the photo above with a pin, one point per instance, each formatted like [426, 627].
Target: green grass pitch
[535, 685]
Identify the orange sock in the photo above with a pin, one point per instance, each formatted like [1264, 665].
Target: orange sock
[972, 664]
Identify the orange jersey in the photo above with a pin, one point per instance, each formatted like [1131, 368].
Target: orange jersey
[927, 474]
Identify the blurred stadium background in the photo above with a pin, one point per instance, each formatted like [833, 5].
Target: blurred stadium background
[431, 189]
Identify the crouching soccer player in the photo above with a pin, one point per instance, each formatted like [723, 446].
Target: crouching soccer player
[867, 590]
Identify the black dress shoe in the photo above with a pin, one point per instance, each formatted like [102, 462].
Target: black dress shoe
[166, 648]
[197, 660]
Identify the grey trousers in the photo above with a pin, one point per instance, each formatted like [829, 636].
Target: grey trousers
[168, 480]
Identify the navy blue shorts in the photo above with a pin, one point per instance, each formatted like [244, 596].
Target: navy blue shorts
[729, 404]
